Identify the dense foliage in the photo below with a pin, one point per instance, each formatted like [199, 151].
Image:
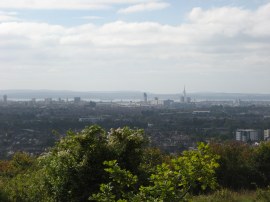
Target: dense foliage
[95, 165]
[106, 166]
[243, 166]
[169, 182]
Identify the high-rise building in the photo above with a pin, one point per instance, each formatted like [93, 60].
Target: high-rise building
[266, 135]
[5, 98]
[145, 97]
[245, 135]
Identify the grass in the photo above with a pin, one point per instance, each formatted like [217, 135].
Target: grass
[225, 195]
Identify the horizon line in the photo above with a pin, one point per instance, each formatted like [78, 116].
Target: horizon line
[132, 91]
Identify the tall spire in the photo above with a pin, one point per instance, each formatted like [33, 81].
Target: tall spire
[184, 92]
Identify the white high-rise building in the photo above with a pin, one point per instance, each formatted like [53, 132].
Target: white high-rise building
[266, 135]
[245, 135]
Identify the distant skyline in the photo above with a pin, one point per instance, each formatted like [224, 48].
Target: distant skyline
[136, 45]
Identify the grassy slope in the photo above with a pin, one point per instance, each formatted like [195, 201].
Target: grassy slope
[229, 196]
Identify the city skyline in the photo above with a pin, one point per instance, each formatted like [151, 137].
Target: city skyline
[135, 45]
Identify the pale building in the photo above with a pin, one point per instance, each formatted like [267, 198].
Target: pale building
[245, 135]
[156, 101]
[266, 135]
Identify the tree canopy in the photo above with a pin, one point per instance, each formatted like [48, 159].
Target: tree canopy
[107, 166]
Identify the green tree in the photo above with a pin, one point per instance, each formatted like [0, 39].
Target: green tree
[192, 170]
[237, 167]
[262, 163]
[128, 147]
[73, 168]
[169, 182]
[21, 162]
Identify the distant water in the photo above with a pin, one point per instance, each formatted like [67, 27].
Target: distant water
[27, 95]
[71, 99]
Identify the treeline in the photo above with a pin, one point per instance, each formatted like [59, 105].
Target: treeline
[94, 165]
[242, 166]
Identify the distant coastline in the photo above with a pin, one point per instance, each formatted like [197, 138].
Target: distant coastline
[127, 95]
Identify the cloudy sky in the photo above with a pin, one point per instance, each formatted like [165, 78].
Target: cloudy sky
[147, 45]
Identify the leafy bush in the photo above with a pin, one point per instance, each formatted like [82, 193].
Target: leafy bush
[170, 182]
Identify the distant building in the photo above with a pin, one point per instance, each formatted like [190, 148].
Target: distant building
[201, 112]
[266, 135]
[168, 103]
[48, 101]
[32, 102]
[90, 119]
[150, 125]
[156, 101]
[245, 135]
[145, 97]
[77, 99]
[5, 98]
[184, 98]
[237, 102]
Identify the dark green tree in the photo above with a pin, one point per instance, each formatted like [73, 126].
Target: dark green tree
[237, 167]
[73, 169]
[262, 163]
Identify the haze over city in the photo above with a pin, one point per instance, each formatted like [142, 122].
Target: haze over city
[139, 45]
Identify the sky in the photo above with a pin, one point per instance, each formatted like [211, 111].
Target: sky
[156, 46]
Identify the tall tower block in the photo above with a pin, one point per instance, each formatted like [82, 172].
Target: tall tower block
[145, 97]
[5, 98]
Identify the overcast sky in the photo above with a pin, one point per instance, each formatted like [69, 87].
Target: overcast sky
[147, 45]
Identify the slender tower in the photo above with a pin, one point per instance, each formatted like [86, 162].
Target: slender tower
[185, 94]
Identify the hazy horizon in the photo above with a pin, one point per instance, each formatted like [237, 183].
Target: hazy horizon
[127, 91]
[24, 95]
[139, 45]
